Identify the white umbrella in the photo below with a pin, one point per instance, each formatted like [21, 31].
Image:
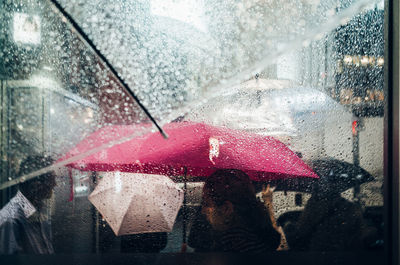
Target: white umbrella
[246, 107]
[270, 107]
[137, 203]
[260, 84]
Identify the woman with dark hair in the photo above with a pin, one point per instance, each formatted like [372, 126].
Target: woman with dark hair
[239, 221]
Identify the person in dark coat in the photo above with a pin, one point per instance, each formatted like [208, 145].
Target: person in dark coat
[23, 229]
[239, 221]
[329, 222]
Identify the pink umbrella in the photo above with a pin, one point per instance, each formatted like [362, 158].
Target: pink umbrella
[192, 150]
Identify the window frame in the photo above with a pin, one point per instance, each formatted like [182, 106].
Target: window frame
[391, 133]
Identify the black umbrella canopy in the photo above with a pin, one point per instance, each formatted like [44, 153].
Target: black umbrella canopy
[339, 171]
[335, 175]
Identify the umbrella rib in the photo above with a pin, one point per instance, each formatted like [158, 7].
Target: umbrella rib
[87, 41]
[126, 212]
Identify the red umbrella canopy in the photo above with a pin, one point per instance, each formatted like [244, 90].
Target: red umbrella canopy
[193, 149]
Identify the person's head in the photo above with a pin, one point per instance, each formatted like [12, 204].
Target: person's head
[228, 198]
[41, 187]
[324, 189]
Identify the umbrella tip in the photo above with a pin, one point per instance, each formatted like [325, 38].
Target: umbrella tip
[164, 134]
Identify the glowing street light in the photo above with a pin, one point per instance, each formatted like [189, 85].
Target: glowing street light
[347, 59]
[364, 60]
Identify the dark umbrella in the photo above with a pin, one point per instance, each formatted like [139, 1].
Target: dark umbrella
[335, 175]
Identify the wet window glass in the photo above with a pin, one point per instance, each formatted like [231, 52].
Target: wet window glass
[272, 117]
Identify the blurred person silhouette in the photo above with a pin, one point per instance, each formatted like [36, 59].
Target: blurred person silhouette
[23, 229]
[201, 233]
[238, 220]
[329, 222]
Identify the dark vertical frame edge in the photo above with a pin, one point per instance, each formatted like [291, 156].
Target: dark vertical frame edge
[391, 133]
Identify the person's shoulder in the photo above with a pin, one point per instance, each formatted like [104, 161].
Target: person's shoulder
[10, 223]
[11, 227]
[236, 236]
[349, 208]
[342, 202]
[10, 216]
[242, 239]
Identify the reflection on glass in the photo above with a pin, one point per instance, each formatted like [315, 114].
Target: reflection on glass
[307, 73]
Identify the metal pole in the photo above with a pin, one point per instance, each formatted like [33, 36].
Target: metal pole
[9, 99]
[96, 219]
[356, 153]
[356, 141]
[184, 207]
[3, 160]
[43, 120]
